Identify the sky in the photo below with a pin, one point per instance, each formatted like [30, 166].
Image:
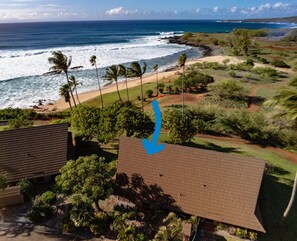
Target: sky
[69, 10]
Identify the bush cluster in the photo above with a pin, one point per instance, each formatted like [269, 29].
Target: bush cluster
[280, 63]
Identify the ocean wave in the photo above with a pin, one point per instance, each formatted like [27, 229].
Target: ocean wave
[34, 62]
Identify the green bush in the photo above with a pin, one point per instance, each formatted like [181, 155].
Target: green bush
[48, 198]
[149, 93]
[100, 224]
[68, 224]
[27, 189]
[250, 62]
[3, 181]
[19, 122]
[262, 60]
[40, 212]
[241, 67]
[280, 64]
[10, 113]
[266, 72]
[181, 127]
[253, 235]
[232, 74]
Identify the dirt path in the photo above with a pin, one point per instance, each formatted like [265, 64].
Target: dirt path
[290, 156]
[253, 99]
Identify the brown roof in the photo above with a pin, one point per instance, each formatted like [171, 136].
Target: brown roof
[214, 185]
[33, 152]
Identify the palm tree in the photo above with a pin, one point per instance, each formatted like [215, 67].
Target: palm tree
[155, 68]
[135, 70]
[93, 61]
[124, 72]
[286, 99]
[64, 92]
[61, 63]
[182, 64]
[74, 84]
[112, 74]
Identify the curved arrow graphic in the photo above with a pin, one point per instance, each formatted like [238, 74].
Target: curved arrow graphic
[152, 147]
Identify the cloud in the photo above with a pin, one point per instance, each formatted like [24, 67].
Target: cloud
[233, 9]
[121, 11]
[215, 9]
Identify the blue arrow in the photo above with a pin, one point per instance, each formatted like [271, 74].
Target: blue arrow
[152, 147]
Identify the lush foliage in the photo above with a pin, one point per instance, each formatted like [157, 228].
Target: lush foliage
[48, 198]
[226, 91]
[3, 181]
[194, 81]
[27, 189]
[280, 63]
[111, 122]
[19, 122]
[180, 125]
[266, 73]
[10, 113]
[89, 176]
[240, 41]
[40, 211]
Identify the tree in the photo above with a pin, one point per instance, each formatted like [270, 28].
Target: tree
[155, 68]
[89, 176]
[124, 72]
[61, 63]
[74, 84]
[82, 212]
[240, 40]
[65, 92]
[181, 126]
[285, 99]
[136, 70]
[182, 64]
[112, 74]
[85, 120]
[93, 61]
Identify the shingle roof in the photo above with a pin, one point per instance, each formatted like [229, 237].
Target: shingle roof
[33, 152]
[214, 185]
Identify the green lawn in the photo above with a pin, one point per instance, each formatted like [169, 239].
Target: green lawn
[276, 188]
[134, 92]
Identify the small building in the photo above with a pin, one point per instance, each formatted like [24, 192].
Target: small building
[35, 152]
[213, 185]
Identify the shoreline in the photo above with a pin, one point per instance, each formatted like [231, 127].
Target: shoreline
[61, 105]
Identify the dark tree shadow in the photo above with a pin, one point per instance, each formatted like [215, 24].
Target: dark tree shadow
[256, 100]
[143, 195]
[87, 148]
[213, 147]
[273, 200]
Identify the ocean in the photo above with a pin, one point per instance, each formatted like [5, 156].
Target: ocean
[25, 48]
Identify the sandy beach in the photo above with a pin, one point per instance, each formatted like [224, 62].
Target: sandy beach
[61, 105]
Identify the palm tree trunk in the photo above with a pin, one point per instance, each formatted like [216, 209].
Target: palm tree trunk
[99, 85]
[157, 83]
[183, 100]
[70, 89]
[70, 105]
[291, 200]
[118, 90]
[77, 96]
[127, 88]
[141, 93]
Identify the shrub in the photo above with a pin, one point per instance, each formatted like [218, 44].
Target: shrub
[169, 89]
[241, 66]
[266, 72]
[181, 127]
[48, 198]
[68, 224]
[10, 113]
[161, 87]
[253, 235]
[250, 62]
[243, 233]
[228, 89]
[262, 60]
[39, 212]
[279, 63]
[19, 122]
[62, 121]
[100, 224]
[3, 181]
[232, 74]
[149, 93]
[27, 189]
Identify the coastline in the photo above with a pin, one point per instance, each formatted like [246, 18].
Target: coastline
[61, 105]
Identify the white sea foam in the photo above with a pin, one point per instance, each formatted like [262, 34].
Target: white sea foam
[22, 83]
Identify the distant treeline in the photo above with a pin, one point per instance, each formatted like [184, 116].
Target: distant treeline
[292, 19]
